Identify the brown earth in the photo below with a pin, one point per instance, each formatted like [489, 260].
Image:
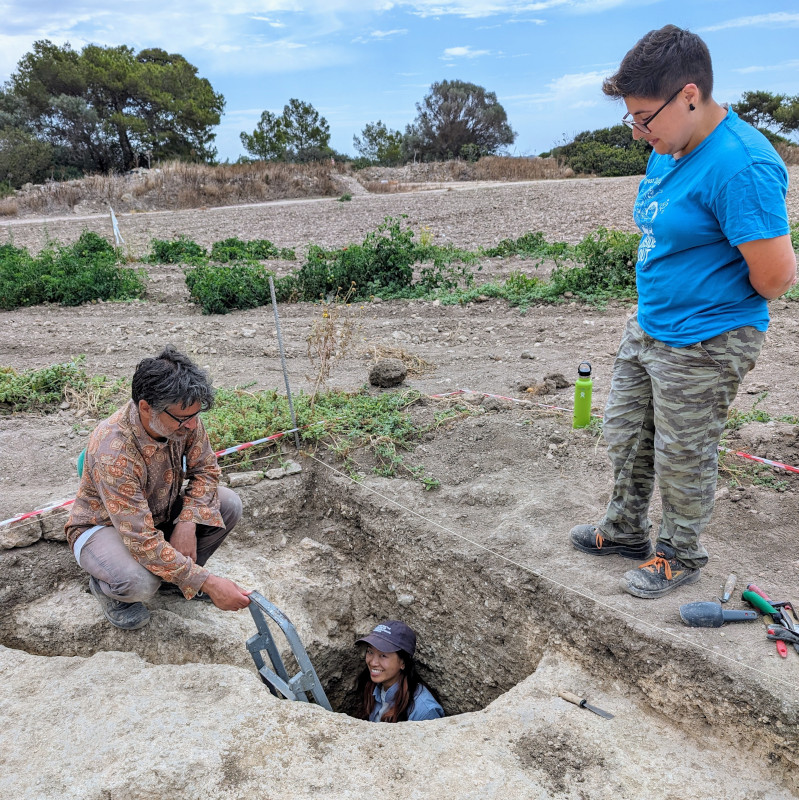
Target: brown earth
[514, 479]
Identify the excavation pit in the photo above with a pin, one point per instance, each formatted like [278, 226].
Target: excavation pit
[476, 570]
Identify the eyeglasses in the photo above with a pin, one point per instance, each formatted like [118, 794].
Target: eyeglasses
[643, 126]
[183, 420]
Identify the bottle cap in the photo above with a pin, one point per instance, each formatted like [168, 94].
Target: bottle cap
[584, 370]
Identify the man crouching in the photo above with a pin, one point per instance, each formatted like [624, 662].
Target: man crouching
[131, 527]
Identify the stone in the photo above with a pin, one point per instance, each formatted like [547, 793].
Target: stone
[244, 478]
[21, 534]
[388, 372]
[289, 468]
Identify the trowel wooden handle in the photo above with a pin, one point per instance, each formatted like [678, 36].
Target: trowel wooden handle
[572, 698]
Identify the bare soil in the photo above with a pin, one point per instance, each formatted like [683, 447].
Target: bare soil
[514, 479]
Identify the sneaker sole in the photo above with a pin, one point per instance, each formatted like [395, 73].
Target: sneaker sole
[102, 599]
[615, 550]
[652, 594]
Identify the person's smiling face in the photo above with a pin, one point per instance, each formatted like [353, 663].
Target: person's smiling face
[384, 668]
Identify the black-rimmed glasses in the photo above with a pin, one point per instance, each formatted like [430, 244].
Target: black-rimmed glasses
[643, 126]
[183, 420]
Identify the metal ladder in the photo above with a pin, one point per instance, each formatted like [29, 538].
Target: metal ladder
[277, 678]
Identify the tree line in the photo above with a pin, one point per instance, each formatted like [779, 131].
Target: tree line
[66, 113]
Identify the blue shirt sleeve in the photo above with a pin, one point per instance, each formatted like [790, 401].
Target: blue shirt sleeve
[424, 706]
[751, 205]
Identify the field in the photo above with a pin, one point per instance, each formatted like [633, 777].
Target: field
[508, 613]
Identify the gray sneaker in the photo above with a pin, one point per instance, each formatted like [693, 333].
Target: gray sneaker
[127, 616]
[659, 576]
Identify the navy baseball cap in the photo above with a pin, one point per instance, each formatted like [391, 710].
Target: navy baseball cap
[390, 636]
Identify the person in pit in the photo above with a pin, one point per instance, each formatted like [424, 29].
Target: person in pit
[714, 249]
[132, 527]
[389, 688]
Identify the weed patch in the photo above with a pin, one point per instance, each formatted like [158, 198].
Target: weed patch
[367, 432]
[44, 389]
[89, 269]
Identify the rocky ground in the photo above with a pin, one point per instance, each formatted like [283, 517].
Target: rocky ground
[507, 612]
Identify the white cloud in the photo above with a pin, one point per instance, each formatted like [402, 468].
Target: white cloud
[785, 65]
[386, 34]
[463, 52]
[779, 19]
[572, 90]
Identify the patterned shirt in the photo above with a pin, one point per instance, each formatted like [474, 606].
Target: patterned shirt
[131, 480]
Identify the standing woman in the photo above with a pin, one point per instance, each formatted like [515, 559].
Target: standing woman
[715, 247]
[389, 688]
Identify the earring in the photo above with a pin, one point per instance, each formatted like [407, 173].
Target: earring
[691, 107]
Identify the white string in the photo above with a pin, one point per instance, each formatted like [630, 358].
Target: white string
[556, 582]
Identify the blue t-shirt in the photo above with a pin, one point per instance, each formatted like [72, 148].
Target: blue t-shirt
[693, 282]
[424, 705]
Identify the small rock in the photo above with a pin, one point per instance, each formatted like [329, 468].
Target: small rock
[388, 372]
[405, 600]
[244, 478]
[289, 468]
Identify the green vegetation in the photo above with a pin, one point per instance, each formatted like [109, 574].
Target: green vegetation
[177, 251]
[383, 266]
[72, 274]
[219, 290]
[607, 152]
[234, 249]
[44, 389]
[391, 264]
[298, 135]
[368, 432]
[102, 109]
[737, 418]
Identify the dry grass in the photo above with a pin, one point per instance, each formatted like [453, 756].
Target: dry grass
[8, 207]
[490, 168]
[415, 365]
[178, 185]
[789, 154]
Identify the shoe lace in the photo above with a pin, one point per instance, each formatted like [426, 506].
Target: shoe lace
[657, 564]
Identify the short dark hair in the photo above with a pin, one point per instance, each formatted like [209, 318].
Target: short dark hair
[660, 64]
[171, 378]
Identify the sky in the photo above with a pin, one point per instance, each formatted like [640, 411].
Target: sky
[361, 61]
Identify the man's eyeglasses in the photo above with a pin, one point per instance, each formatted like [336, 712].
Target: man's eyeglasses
[183, 420]
[643, 126]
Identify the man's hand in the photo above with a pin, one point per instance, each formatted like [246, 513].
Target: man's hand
[184, 539]
[225, 594]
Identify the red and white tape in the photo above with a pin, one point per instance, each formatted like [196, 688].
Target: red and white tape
[219, 453]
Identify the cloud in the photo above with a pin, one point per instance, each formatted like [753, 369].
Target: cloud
[463, 52]
[380, 35]
[572, 90]
[779, 19]
[785, 65]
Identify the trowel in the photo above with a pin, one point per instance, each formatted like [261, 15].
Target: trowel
[712, 615]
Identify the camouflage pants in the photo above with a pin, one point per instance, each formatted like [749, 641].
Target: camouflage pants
[663, 420]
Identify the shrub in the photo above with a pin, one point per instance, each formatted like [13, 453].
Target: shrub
[608, 261]
[607, 152]
[219, 290]
[178, 251]
[382, 264]
[87, 270]
[234, 249]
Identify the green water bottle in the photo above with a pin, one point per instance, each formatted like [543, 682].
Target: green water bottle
[582, 396]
